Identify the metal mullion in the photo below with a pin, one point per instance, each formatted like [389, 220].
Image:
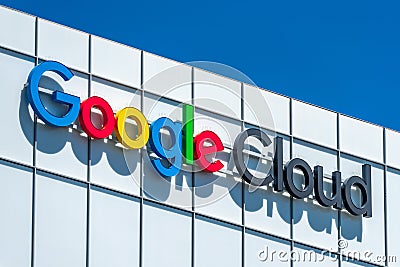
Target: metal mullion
[34, 157]
[243, 187]
[291, 198]
[141, 194]
[89, 161]
[193, 210]
[385, 217]
[339, 212]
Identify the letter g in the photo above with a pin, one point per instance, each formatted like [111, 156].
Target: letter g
[34, 99]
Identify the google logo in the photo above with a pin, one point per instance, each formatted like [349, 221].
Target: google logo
[197, 149]
[193, 148]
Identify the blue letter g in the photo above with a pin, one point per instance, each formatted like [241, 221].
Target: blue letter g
[34, 100]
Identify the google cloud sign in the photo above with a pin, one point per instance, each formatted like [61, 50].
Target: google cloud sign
[196, 150]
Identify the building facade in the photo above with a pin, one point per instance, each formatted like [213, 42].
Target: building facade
[71, 200]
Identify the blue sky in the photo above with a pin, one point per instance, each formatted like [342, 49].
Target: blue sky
[342, 55]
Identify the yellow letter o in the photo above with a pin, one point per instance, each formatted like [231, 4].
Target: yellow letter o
[143, 128]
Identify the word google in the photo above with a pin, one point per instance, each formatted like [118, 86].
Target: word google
[195, 149]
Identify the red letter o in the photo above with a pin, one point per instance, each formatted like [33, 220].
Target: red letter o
[86, 121]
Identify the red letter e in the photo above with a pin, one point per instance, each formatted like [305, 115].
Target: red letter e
[201, 151]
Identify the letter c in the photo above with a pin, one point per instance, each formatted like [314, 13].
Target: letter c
[238, 156]
[34, 99]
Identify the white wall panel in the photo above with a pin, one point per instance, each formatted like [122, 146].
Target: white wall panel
[175, 190]
[314, 224]
[352, 263]
[62, 150]
[392, 148]
[60, 222]
[314, 124]
[114, 230]
[16, 211]
[217, 93]
[112, 165]
[116, 62]
[217, 244]
[218, 195]
[17, 31]
[361, 139]
[17, 142]
[365, 234]
[266, 109]
[155, 107]
[227, 129]
[393, 216]
[304, 257]
[315, 155]
[167, 77]
[267, 211]
[167, 237]
[63, 44]
[262, 250]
